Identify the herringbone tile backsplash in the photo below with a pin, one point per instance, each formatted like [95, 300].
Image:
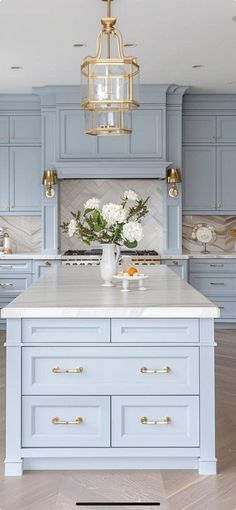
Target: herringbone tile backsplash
[74, 194]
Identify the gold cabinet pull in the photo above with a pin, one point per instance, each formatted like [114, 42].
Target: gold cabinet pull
[6, 266]
[164, 370]
[145, 421]
[56, 421]
[218, 284]
[6, 285]
[47, 263]
[58, 370]
[216, 265]
[175, 263]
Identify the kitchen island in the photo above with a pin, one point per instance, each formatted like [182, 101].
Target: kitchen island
[101, 379]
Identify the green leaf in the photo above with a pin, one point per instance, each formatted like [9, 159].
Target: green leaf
[130, 245]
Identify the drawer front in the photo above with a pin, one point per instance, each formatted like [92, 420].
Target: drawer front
[213, 266]
[41, 267]
[214, 285]
[15, 266]
[65, 421]
[13, 285]
[154, 330]
[155, 421]
[66, 330]
[227, 308]
[180, 267]
[110, 371]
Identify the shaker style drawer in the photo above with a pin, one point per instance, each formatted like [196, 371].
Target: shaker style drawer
[65, 421]
[15, 266]
[213, 266]
[154, 330]
[227, 308]
[14, 285]
[214, 285]
[66, 330]
[155, 421]
[110, 371]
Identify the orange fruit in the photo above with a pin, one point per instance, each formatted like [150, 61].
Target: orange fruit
[132, 270]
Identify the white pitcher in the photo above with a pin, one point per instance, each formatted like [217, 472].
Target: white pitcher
[109, 263]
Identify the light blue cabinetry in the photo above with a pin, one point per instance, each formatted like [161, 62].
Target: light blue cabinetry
[41, 267]
[25, 179]
[179, 266]
[4, 180]
[4, 129]
[147, 138]
[199, 179]
[15, 277]
[20, 129]
[73, 142]
[199, 129]
[226, 179]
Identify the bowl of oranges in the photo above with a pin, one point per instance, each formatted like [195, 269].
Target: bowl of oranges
[131, 274]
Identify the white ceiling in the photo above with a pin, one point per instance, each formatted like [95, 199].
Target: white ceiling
[172, 35]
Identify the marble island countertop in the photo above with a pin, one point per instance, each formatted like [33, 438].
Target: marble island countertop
[71, 292]
[179, 256]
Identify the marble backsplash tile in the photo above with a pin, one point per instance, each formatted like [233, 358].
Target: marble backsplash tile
[221, 224]
[74, 194]
[24, 232]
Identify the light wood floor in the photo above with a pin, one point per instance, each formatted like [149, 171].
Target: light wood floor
[176, 490]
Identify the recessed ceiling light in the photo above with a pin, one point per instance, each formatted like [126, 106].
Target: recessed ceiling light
[16, 68]
[197, 66]
[132, 45]
[234, 18]
[232, 82]
[79, 45]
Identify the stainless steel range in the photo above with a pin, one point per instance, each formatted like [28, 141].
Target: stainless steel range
[93, 257]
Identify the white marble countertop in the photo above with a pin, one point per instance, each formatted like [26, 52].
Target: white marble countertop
[29, 256]
[77, 292]
[182, 256]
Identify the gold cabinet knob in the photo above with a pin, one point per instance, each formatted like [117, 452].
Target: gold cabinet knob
[47, 263]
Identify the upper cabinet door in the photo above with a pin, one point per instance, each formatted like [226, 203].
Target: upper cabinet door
[118, 146]
[199, 129]
[199, 179]
[25, 179]
[25, 129]
[4, 129]
[4, 179]
[73, 142]
[226, 179]
[147, 138]
[226, 129]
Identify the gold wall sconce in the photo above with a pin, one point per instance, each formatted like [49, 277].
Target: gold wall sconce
[173, 178]
[49, 180]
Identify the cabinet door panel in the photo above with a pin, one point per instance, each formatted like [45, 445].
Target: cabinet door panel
[180, 267]
[147, 135]
[199, 180]
[4, 179]
[25, 179]
[114, 145]
[4, 129]
[226, 179]
[226, 129]
[73, 141]
[25, 129]
[199, 129]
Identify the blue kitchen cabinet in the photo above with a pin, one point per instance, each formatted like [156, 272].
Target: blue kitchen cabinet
[25, 129]
[226, 129]
[147, 139]
[199, 179]
[4, 180]
[73, 142]
[179, 267]
[25, 179]
[4, 129]
[199, 129]
[226, 179]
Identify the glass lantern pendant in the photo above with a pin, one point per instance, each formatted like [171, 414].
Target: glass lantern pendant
[109, 84]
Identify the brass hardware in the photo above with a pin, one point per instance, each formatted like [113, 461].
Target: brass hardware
[49, 180]
[58, 370]
[216, 265]
[173, 178]
[175, 262]
[47, 263]
[219, 284]
[5, 285]
[145, 421]
[56, 421]
[221, 307]
[219, 206]
[6, 265]
[164, 370]
[108, 83]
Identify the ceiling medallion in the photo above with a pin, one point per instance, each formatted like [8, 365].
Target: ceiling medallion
[109, 83]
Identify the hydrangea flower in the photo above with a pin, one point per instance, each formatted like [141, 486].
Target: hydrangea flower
[133, 231]
[71, 228]
[113, 213]
[130, 195]
[92, 203]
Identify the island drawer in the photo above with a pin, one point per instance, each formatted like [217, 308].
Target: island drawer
[15, 266]
[65, 422]
[213, 266]
[155, 330]
[214, 285]
[13, 285]
[110, 370]
[155, 421]
[65, 330]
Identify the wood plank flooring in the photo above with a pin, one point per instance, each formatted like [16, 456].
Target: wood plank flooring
[176, 490]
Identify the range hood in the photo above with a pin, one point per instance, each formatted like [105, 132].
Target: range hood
[112, 169]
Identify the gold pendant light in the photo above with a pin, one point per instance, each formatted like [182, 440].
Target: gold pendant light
[109, 83]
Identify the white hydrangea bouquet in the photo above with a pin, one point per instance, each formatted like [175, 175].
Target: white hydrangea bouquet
[118, 224]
